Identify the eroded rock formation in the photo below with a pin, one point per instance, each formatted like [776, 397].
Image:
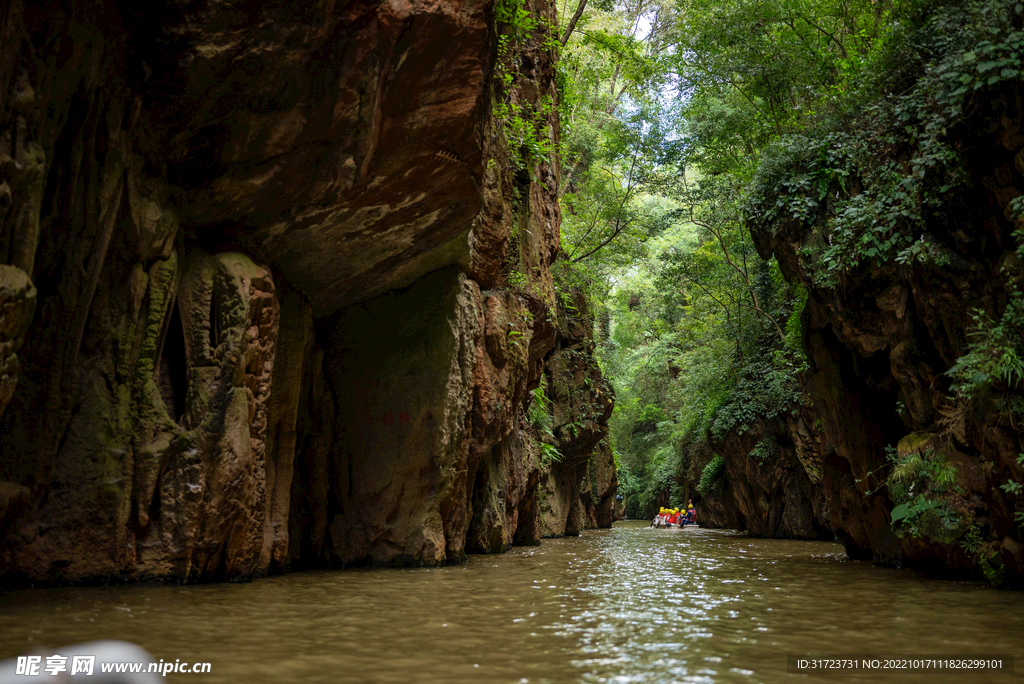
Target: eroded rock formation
[256, 310]
[881, 347]
[579, 491]
[772, 486]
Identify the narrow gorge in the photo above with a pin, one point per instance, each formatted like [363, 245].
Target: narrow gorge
[294, 286]
[661, 341]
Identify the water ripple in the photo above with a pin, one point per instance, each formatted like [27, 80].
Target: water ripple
[631, 604]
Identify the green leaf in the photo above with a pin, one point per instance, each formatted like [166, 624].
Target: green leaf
[900, 512]
[1012, 487]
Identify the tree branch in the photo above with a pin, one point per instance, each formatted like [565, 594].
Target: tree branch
[619, 225]
[572, 22]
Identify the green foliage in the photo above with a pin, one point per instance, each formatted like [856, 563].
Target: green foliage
[661, 133]
[549, 453]
[516, 18]
[825, 118]
[765, 449]
[539, 413]
[891, 141]
[794, 324]
[1012, 487]
[565, 300]
[988, 560]
[613, 133]
[540, 418]
[767, 389]
[995, 351]
[712, 476]
[524, 124]
[973, 539]
[923, 485]
[758, 70]
[527, 132]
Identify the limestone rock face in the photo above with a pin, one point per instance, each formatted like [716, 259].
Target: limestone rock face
[17, 304]
[504, 497]
[401, 435]
[578, 491]
[774, 490]
[341, 142]
[212, 496]
[257, 304]
[602, 508]
[880, 347]
[172, 481]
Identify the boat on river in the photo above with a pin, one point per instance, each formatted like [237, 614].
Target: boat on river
[675, 526]
[675, 518]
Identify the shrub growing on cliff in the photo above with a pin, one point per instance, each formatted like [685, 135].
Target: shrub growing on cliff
[525, 125]
[712, 476]
[540, 418]
[765, 449]
[864, 186]
[995, 351]
[768, 388]
[539, 413]
[923, 485]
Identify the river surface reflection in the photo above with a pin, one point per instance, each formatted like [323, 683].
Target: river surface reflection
[630, 604]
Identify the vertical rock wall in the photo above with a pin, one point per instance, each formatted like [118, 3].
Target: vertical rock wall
[882, 346]
[774, 490]
[401, 368]
[579, 490]
[256, 310]
[772, 479]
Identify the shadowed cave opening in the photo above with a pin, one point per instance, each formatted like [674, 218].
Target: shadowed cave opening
[172, 376]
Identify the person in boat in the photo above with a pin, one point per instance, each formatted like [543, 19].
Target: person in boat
[666, 517]
[660, 518]
[691, 513]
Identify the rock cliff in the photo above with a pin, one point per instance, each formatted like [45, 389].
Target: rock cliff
[904, 321]
[275, 291]
[772, 481]
[768, 480]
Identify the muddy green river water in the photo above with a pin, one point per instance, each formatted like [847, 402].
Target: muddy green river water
[630, 604]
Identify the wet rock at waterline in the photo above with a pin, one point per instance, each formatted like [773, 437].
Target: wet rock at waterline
[775, 491]
[400, 448]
